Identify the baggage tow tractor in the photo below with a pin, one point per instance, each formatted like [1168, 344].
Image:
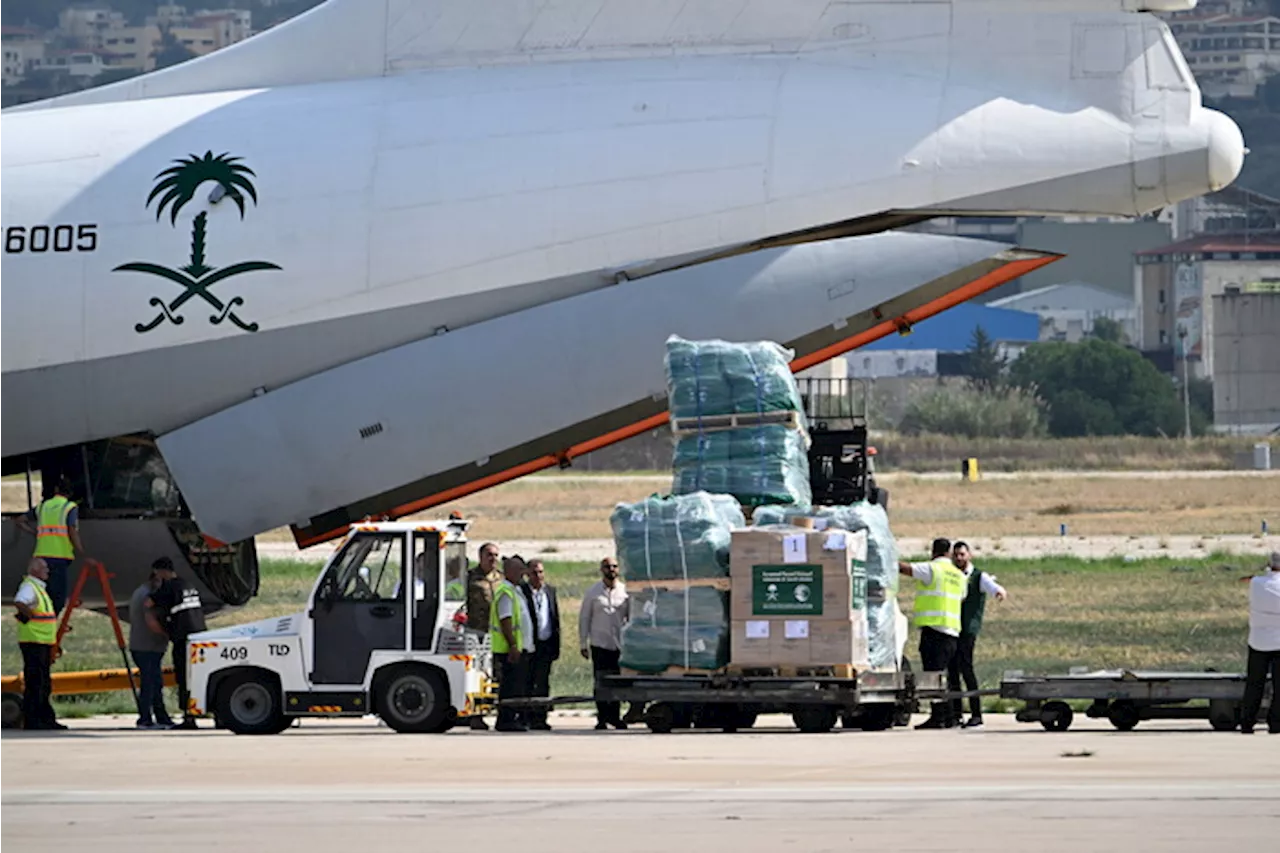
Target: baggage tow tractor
[380, 635]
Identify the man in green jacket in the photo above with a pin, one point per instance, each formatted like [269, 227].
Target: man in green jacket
[980, 585]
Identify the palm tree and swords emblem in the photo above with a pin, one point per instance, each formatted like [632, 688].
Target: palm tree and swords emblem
[176, 187]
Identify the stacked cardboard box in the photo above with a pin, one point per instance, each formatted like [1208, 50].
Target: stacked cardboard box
[799, 598]
[882, 564]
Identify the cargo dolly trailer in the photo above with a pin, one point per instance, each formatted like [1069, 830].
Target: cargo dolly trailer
[1126, 697]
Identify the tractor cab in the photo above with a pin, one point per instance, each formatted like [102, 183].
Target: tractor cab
[383, 633]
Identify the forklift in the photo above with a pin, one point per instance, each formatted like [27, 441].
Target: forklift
[841, 462]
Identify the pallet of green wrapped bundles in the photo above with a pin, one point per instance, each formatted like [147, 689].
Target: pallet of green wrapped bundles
[739, 422]
[674, 555]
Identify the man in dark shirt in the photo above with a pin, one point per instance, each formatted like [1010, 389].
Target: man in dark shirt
[174, 609]
[147, 648]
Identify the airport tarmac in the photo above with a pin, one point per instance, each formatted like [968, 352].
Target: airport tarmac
[351, 785]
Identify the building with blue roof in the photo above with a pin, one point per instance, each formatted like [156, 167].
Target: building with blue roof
[933, 346]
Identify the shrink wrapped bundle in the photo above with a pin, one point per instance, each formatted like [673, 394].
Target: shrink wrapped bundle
[739, 421]
[678, 627]
[675, 537]
[721, 378]
[759, 465]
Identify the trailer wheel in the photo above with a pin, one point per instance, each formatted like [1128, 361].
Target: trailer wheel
[1056, 716]
[815, 720]
[878, 718]
[903, 710]
[1124, 715]
[413, 700]
[660, 717]
[1224, 715]
[249, 704]
[12, 710]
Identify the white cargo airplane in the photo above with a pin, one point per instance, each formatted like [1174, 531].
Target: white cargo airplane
[395, 251]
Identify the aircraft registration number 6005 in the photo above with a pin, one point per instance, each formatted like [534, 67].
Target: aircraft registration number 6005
[50, 238]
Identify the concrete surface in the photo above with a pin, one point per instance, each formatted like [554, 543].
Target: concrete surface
[350, 785]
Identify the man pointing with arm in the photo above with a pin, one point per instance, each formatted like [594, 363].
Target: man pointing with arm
[980, 585]
[937, 615]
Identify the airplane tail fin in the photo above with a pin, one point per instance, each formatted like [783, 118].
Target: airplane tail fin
[354, 39]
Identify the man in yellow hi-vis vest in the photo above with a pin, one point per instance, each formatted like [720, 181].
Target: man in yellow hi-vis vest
[511, 633]
[937, 614]
[54, 523]
[37, 633]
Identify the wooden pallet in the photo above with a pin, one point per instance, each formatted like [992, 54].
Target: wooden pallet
[843, 670]
[642, 583]
[719, 423]
[671, 672]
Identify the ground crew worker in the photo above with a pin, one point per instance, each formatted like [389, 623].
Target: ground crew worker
[175, 609]
[981, 585]
[482, 581]
[511, 636]
[937, 615]
[1264, 648]
[37, 634]
[57, 533]
[147, 648]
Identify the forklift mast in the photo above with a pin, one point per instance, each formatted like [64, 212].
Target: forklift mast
[840, 467]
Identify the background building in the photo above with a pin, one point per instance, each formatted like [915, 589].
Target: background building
[1067, 311]
[936, 347]
[1246, 358]
[1176, 283]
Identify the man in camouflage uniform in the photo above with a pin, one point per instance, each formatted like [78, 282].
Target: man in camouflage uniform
[482, 580]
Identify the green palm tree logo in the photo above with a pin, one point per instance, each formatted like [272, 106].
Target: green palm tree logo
[176, 187]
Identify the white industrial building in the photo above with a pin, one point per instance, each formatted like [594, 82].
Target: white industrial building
[1068, 311]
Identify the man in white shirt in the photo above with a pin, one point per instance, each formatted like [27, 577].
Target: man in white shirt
[972, 608]
[1264, 648]
[545, 608]
[605, 610]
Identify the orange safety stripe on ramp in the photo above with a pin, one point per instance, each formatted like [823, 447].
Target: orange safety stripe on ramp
[990, 281]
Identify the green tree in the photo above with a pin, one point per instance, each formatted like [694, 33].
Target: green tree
[1098, 387]
[170, 51]
[1106, 329]
[983, 363]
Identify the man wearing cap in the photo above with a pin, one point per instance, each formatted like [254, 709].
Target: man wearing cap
[177, 604]
[1264, 648]
[147, 647]
[37, 635]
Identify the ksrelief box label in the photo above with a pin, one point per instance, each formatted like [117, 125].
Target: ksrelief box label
[791, 590]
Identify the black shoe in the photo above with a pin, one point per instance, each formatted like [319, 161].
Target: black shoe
[57, 727]
[478, 724]
[541, 727]
[620, 726]
[185, 725]
[510, 727]
[973, 723]
[602, 726]
[935, 723]
[1246, 730]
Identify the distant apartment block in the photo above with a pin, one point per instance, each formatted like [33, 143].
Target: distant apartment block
[1231, 46]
